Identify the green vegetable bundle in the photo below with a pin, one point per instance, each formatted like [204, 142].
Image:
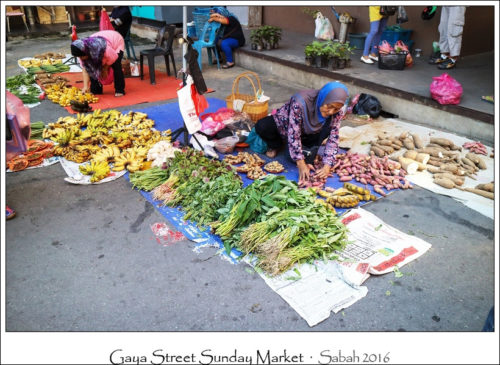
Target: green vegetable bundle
[148, 179]
[56, 68]
[37, 130]
[23, 86]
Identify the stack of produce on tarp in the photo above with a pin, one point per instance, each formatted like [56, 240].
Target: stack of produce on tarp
[24, 87]
[47, 62]
[271, 218]
[37, 151]
[381, 173]
[65, 96]
[105, 140]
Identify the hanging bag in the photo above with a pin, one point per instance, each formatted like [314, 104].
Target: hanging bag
[388, 10]
[187, 107]
[402, 17]
[324, 28]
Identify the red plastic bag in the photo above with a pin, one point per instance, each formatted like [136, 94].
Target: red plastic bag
[104, 22]
[400, 46]
[446, 90]
[385, 47]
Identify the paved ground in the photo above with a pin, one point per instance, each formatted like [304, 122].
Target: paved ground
[83, 258]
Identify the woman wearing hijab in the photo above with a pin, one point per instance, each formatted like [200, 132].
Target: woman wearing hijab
[98, 53]
[305, 122]
[232, 37]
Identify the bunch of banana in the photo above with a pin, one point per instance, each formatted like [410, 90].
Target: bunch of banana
[74, 155]
[97, 130]
[64, 137]
[140, 151]
[98, 169]
[143, 124]
[107, 153]
[51, 131]
[128, 160]
[32, 62]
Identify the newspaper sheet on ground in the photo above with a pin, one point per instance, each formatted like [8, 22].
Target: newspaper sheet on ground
[357, 140]
[72, 169]
[378, 244]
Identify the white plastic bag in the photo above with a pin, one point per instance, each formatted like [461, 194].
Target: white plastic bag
[134, 68]
[187, 108]
[324, 28]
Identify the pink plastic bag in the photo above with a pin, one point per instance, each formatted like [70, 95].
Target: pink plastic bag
[109, 79]
[210, 127]
[446, 90]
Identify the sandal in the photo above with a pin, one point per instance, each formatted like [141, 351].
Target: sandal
[117, 95]
[227, 65]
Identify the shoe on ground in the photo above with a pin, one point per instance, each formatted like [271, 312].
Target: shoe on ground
[9, 212]
[374, 58]
[437, 60]
[447, 64]
[366, 60]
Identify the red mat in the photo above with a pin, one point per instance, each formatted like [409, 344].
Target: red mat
[136, 90]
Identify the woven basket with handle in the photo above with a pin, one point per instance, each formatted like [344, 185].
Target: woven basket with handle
[254, 108]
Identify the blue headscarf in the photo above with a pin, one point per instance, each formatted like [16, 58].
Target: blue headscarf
[326, 96]
[312, 100]
[223, 11]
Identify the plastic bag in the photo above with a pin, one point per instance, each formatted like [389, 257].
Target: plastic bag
[134, 68]
[385, 47]
[109, 78]
[105, 22]
[388, 10]
[19, 126]
[210, 126]
[402, 17]
[187, 107]
[400, 46]
[367, 105]
[324, 28]
[446, 90]
[256, 143]
[226, 145]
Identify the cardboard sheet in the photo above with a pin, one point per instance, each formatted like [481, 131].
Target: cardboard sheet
[357, 140]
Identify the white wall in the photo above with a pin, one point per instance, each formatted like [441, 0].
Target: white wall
[241, 13]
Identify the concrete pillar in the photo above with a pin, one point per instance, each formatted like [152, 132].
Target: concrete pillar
[255, 16]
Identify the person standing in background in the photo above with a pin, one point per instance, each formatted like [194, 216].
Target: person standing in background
[377, 26]
[121, 18]
[451, 27]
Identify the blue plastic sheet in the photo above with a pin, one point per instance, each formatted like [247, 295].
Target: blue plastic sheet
[168, 116]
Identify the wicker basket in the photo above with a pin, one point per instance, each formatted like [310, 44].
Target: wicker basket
[254, 108]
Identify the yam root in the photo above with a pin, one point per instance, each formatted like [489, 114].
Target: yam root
[490, 187]
[442, 141]
[411, 154]
[468, 162]
[408, 143]
[387, 149]
[423, 158]
[403, 136]
[378, 151]
[456, 180]
[445, 183]
[486, 194]
[433, 151]
[417, 141]
[433, 169]
[410, 166]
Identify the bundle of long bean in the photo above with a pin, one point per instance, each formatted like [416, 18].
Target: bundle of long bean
[148, 179]
[294, 235]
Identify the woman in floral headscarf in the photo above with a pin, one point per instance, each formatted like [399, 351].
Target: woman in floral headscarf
[310, 117]
[98, 53]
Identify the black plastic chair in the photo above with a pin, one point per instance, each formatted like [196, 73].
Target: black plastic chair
[164, 41]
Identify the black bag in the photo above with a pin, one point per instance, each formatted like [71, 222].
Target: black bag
[367, 104]
[388, 10]
[402, 16]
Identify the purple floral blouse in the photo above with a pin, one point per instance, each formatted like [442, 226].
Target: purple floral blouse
[289, 120]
